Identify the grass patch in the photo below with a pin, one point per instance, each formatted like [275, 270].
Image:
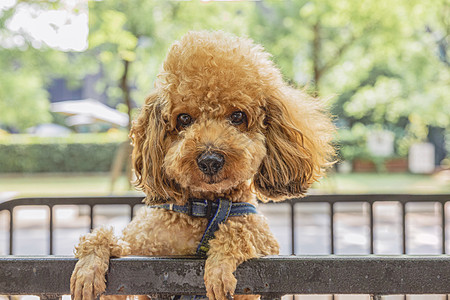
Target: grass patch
[379, 183]
[62, 185]
[100, 184]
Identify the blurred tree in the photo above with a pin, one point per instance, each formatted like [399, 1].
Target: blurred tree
[407, 81]
[122, 33]
[116, 29]
[386, 61]
[29, 63]
[24, 64]
[309, 39]
[23, 98]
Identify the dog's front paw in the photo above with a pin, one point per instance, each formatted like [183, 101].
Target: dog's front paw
[219, 281]
[88, 278]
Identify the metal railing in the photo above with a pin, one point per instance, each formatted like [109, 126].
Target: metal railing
[375, 275]
[330, 200]
[276, 276]
[371, 199]
[51, 202]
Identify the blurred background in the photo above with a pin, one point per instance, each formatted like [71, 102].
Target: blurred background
[74, 73]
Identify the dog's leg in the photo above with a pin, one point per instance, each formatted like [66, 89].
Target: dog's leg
[94, 250]
[220, 281]
[238, 240]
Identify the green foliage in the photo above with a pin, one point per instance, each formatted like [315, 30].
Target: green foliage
[22, 158]
[23, 100]
[381, 63]
[382, 102]
[76, 153]
[23, 95]
[352, 143]
[27, 67]
[379, 58]
[140, 32]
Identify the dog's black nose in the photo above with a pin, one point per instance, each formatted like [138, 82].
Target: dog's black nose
[210, 162]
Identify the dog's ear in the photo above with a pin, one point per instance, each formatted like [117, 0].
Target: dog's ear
[298, 140]
[147, 135]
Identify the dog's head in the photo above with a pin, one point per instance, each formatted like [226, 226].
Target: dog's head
[221, 115]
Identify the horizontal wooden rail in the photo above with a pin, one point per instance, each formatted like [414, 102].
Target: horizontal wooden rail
[271, 276]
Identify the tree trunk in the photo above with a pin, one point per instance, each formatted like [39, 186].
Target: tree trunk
[126, 90]
[316, 47]
[123, 154]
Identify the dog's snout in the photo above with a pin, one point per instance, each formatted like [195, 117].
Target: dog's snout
[210, 162]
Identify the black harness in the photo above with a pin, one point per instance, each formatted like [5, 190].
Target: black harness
[216, 212]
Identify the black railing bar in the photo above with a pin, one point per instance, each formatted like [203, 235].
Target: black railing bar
[402, 198]
[332, 198]
[50, 227]
[91, 216]
[443, 222]
[403, 211]
[131, 211]
[332, 228]
[11, 230]
[292, 227]
[71, 201]
[371, 228]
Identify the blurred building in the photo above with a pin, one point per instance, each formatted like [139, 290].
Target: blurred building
[59, 90]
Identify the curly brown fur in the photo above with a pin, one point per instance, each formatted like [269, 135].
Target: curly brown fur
[216, 94]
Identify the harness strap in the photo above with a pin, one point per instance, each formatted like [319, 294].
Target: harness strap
[206, 209]
[221, 215]
[216, 212]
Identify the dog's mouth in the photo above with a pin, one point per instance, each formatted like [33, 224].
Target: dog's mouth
[214, 180]
[212, 184]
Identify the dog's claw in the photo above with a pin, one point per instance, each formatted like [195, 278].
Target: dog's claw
[229, 296]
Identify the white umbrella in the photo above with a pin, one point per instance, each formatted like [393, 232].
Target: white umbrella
[77, 120]
[91, 109]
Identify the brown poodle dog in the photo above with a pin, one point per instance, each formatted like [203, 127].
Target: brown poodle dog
[220, 124]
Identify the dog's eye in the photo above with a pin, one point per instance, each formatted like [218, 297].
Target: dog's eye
[238, 117]
[184, 120]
